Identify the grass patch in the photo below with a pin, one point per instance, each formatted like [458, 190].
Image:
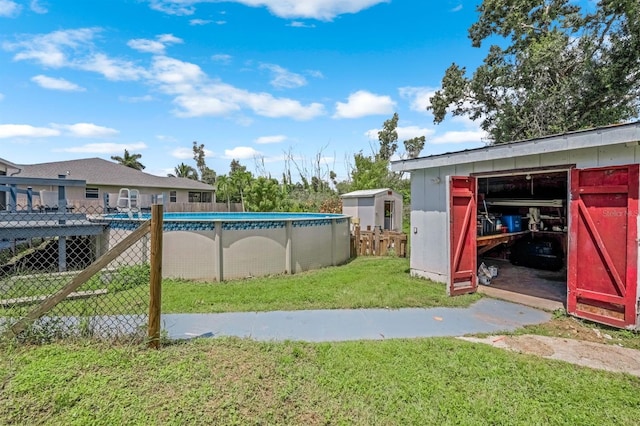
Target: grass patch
[233, 381]
[366, 282]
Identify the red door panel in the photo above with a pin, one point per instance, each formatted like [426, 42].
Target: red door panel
[603, 246]
[462, 231]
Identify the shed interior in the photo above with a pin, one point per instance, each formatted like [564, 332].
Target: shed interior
[522, 224]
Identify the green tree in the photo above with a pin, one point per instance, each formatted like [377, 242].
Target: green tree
[129, 160]
[240, 179]
[414, 146]
[184, 171]
[369, 172]
[388, 138]
[265, 195]
[557, 68]
[223, 189]
[207, 175]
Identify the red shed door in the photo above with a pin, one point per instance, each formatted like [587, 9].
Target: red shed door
[603, 246]
[462, 235]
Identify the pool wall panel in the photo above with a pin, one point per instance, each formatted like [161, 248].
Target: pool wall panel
[189, 255]
[253, 253]
[312, 246]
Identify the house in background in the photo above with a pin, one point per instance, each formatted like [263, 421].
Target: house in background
[7, 168]
[380, 207]
[106, 177]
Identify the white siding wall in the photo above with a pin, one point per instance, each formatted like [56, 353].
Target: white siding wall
[429, 245]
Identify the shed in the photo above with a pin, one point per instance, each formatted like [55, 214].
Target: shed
[579, 189]
[380, 207]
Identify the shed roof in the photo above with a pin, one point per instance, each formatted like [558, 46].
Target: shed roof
[97, 171]
[364, 193]
[600, 136]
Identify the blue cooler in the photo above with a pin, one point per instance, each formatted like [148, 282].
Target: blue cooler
[513, 223]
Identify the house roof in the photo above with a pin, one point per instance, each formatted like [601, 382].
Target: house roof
[600, 136]
[97, 171]
[364, 193]
[8, 164]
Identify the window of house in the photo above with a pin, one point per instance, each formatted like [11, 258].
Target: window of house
[173, 196]
[199, 197]
[93, 193]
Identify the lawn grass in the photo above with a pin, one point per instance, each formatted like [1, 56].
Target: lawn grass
[366, 282]
[233, 381]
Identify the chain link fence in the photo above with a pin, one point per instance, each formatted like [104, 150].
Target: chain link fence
[44, 250]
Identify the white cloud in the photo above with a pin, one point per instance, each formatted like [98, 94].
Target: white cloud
[221, 22]
[271, 139]
[199, 22]
[156, 46]
[196, 96]
[136, 99]
[104, 148]
[186, 153]
[51, 50]
[182, 153]
[298, 24]
[56, 83]
[73, 49]
[283, 78]
[315, 73]
[223, 58]
[460, 137]
[169, 39]
[241, 153]
[145, 45]
[174, 7]
[9, 9]
[112, 69]
[323, 10]
[37, 7]
[87, 130]
[25, 130]
[404, 133]
[458, 8]
[363, 103]
[418, 96]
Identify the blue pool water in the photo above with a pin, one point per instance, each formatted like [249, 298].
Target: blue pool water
[213, 217]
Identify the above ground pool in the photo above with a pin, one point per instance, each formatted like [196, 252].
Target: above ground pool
[221, 246]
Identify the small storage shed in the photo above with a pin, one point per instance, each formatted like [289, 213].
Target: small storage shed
[579, 189]
[380, 207]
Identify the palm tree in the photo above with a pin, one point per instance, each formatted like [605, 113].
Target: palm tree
[129, 160]
[184, 171]
[223, 184]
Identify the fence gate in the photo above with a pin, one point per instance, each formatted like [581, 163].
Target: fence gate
[73, 272]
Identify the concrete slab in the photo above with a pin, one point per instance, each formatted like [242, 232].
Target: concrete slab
[485, 316]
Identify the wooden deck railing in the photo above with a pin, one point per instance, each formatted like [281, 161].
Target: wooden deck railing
[378, 243]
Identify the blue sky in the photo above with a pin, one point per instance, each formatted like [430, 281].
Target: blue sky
[254, 80]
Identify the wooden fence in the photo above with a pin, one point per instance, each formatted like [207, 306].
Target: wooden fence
[378, 243]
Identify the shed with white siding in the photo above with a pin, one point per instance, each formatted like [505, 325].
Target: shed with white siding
[593, 176]
[375, 208]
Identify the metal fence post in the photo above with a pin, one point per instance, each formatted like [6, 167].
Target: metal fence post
[155, 281]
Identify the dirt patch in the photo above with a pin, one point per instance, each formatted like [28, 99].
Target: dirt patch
[585, 353]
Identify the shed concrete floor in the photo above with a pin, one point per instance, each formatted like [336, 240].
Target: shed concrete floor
[532, 287]
[485, 316]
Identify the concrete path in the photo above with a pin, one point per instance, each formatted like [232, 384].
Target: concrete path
[485, 316]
